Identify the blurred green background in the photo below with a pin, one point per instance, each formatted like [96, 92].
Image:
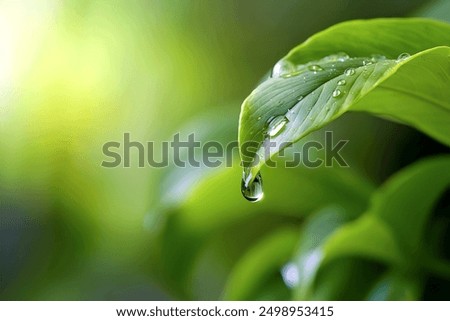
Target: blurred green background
[77, 74]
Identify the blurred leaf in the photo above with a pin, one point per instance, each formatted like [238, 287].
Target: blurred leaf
[310, 254]
[375, 241]
[437, 9]
[404, 205]
[259, 265]
[307, 91]
[206, 128]
[396, 286]
[346, 278]
[391, 231]
[319, 277]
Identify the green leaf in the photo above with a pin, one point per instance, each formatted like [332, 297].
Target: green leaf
[390, 232]
[396, 286]
[405, 201]
[366, 237]
[346, 278]
[310, 254]
[315, 83]
[260, 264]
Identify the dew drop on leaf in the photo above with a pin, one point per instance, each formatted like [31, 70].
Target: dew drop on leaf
[341, 82]
[349, 72]
[275, 125]
[315, 68]
[377, 57]
[340, 56]
[282, 67]
[336, 93]
[403, 56]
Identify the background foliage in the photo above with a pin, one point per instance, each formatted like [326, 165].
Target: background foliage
[76, 74]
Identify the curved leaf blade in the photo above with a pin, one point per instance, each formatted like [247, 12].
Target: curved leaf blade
[360, 38]
[375, 84]
[403, 205]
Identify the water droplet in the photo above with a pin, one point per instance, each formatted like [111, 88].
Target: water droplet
[252, 190]
[340, 56]
[367, 62]
[403, 56]
[349, 72]
[259, 118]
[282, 67]
[341, 82]
[336, 93]
[315, 68]
[299, 98]
[276, 124]
[377, 57]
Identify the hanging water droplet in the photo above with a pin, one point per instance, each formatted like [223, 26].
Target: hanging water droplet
[403, 56]
[315, 68]
[276, 124]
[252, 191]
[336, 93]
[282, 67]
[349, 71]
[341, 82]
